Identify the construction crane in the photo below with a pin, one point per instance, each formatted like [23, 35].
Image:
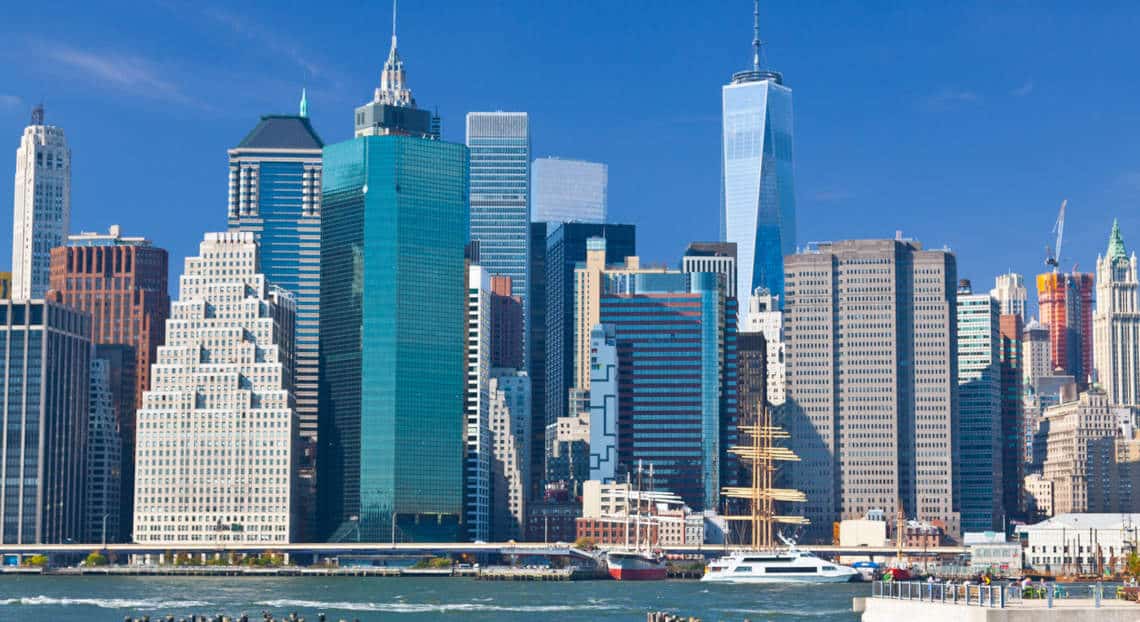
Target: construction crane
[1053, 258]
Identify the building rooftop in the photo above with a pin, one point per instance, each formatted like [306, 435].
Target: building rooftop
[113, 237]
[1085, 521]
[282, 132]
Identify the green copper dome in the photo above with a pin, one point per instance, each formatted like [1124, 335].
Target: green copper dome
[1116, 244]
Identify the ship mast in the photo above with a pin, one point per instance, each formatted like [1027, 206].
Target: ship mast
[762, 453]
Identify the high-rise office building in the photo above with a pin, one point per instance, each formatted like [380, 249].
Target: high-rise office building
[477, 442]
[1009, 290]
[569, 190]
[104, 459]
[1065, 302]
[603, 403]
[500, 194]
[565, 249]
[121, 282]
[275, 193]
[1080, 438]
[752, 359]
[589, 284]
[979, 429]
[719, 257]
[42, 212]
[218, 422]
[765, 317]
[507, 329]
[45, 358]
[680, 318]
[1116, 323]
[872, 381]
[536, 347]
[758, 210]
[394, 225]
[1012, 413]
[1037, 351]
[509, 395]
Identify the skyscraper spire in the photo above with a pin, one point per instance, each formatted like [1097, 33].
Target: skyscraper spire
[304, 104]
[393, 88]
[1116, 243]
[755, 35]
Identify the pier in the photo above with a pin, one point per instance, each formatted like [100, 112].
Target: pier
[959, 602]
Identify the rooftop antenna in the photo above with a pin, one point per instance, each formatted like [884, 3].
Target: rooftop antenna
[755, 35]
[393, 23]
[304, 104]
[38, 114]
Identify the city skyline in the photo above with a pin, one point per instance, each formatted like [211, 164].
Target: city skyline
[979, 123]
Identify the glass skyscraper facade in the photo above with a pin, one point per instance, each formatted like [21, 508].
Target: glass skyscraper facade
[569, 190]
[393, 299]
[45, 358]
[758, 192]
[275, 193]
[500, 195]
[565, 248]
[979, 410]
[671, 337]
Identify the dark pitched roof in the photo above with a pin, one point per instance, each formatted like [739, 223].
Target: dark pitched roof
[282, 132]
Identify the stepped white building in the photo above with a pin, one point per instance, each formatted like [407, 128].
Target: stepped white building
[509, 408]
[216, 432]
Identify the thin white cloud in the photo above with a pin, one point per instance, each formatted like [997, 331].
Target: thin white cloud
[125, 73]
[1023, 90]
[270, 40]
[949, 96]
[10, 101]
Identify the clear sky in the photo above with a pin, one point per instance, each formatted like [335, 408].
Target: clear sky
[963, 124]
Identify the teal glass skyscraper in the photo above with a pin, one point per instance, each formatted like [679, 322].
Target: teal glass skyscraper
[758, 193]
[393, 302]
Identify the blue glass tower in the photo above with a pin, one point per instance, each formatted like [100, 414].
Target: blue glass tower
[758, 192]
[394, 225]
[671, 340]
[500, 196]
[275, 192]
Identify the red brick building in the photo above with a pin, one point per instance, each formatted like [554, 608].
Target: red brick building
[506, 325]
[122, 283]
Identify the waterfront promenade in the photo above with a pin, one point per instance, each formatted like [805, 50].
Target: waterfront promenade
[953, 602]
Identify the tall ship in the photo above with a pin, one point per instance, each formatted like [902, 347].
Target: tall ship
[764, 561]
[641, 562]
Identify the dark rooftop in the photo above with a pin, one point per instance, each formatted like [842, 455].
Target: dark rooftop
[282, 132]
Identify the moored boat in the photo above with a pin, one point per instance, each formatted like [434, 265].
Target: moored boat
[778, 566]
[635, 566]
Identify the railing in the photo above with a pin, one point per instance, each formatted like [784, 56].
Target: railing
[995, 596]
[991, 596]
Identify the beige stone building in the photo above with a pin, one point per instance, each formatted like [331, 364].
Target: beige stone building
[872, 405]
[1090, 452]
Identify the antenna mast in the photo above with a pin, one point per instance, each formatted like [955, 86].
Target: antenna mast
[756, 35]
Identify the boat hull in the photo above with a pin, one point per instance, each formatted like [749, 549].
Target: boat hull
[636, 574]
[780, 579]
[635, 568]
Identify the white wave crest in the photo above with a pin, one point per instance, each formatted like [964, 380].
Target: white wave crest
[402, 607]
[103, 603]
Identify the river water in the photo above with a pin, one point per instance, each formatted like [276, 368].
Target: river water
[91, 599]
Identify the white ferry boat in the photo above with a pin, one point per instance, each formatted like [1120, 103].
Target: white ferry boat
[787, 566]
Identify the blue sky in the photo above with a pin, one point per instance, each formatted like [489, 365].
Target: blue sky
[963, 124]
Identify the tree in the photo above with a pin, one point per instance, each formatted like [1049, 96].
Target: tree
[95, 558]
[36, 560]
[586, 544]
[1132, 564]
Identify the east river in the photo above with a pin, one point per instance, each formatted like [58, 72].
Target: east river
[92, 599]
